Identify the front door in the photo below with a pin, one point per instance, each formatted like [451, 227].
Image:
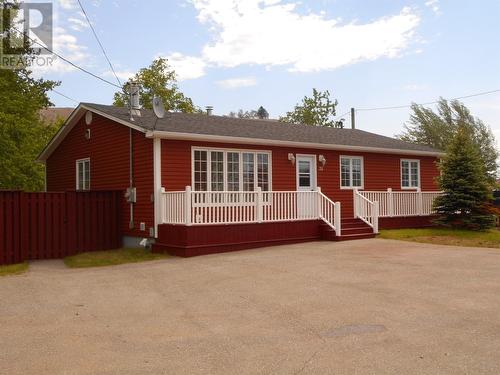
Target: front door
[306, 183]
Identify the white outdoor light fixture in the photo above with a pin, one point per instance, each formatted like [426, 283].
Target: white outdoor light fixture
[291, 157]
[322, 160]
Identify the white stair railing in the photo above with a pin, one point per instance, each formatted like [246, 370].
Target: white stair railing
[329, 212]
[366, 210]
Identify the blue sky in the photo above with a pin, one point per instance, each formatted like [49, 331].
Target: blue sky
[243, 54]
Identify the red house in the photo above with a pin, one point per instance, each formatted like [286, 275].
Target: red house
[198, 184]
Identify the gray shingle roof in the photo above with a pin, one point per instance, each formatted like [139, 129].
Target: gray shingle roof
[259, 129]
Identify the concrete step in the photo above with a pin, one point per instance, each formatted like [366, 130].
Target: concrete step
[350, 237]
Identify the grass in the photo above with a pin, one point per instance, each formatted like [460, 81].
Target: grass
[14, 269]
[111, 258]
[444, 236]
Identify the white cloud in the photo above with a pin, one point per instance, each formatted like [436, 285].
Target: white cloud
[416, 87]
[271, 32]
[66, 45]
[123, 75]
[433, 5]
[68, 4]
[186, 67]
[78, 24]
[233, 83]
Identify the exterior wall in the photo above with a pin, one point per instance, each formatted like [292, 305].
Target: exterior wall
[381, 171]
[108, 150]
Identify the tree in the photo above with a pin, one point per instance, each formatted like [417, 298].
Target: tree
[251, 114]
[22, 133]
[466, 201]
[319, 110]
[437, 129]
[160, 80]
[262, 113]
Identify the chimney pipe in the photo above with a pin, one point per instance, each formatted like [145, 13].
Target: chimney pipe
[209, 109]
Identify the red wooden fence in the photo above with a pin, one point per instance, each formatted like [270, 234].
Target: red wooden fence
[54, 225]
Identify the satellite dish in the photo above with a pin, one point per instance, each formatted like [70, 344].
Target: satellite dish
[158, 107]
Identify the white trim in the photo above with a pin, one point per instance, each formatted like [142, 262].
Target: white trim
[77, 161]
[157, 182]
[409, 176]
[272, 142]
[314, 171]
[225, 151]
[362, 172]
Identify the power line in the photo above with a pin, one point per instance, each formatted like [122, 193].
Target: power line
[68, 61]
[99, 42]
[65, 96]
[429, 103]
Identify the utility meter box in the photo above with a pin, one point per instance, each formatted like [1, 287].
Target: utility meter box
[130, 195]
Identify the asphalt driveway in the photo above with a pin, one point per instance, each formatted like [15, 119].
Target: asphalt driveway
[360, 307]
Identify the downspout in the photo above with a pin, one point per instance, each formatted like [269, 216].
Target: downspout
[131, 176]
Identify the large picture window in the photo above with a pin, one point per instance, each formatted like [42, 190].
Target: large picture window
[83, 174]
[410, 174]
[351, 172]
[231, 170]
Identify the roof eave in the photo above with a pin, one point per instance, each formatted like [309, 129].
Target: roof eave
[272, 142]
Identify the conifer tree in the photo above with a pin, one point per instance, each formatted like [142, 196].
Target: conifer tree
[467, 196]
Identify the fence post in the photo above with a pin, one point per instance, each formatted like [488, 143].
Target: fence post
[337, 219]
[318, 206]
[375, 216]
[187, 213]
[390, 202]
[258, 204]
[420, 202]
[355, 205]
[162, 207]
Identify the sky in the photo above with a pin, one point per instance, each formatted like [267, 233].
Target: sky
[234, 54]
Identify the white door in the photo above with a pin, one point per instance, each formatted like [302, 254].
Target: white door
[306, 184]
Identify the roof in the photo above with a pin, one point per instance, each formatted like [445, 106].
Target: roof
[52, 114]
[197, 126]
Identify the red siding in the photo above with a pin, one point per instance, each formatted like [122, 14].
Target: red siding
[108, 150]
[381, 171]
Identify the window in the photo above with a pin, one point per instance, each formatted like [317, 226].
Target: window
[83, 174]
[231, 170]
[351, 172]
[410, 174]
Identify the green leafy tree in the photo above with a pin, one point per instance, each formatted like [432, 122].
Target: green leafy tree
[318, 110]
[437, 129]
[22, 133]
[467, 193]
[160, 80]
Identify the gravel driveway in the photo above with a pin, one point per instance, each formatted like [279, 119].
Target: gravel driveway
[361, 307]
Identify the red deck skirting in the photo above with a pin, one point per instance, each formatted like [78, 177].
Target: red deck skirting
[405, 222]
[188, 241]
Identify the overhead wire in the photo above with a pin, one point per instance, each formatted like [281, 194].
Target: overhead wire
[99, 42]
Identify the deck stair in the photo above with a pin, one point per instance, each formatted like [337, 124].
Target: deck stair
[352, 229]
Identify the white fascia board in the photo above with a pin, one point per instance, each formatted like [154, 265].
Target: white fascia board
[271, 142]
[75, 116]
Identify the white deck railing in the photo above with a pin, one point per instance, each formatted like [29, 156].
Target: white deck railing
[402, 203]
[236, 207]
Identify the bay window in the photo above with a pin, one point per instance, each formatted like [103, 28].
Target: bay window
[231, 170]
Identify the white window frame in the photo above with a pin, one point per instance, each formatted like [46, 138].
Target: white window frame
[77, 162]
[409, 176]
[225, 151]
[350, 172]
